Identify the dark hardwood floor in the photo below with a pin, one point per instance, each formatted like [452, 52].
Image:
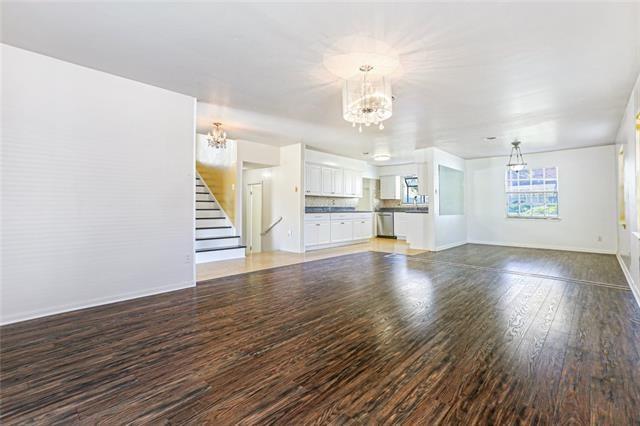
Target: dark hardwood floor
[362, 338]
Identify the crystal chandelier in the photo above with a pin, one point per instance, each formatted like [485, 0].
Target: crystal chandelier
[516, 161]
[217, 137]
[366, 99]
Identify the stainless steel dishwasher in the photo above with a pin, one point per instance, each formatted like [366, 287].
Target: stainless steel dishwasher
[384, 224]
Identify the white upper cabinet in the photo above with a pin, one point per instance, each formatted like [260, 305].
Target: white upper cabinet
[348, 183]
[337, 180]
[390, 188]
[352, 183]
[332, 181]
[327, 181]
[313, 179]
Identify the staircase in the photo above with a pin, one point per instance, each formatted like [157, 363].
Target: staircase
[216, 238]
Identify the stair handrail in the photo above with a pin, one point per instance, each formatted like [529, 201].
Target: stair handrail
[266, 231]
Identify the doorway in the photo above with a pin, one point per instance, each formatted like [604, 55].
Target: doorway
[254, 217]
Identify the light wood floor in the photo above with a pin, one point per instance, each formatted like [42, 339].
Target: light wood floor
[266, 260]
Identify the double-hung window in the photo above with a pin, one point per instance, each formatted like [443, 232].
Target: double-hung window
[410, 191]
[532, 193]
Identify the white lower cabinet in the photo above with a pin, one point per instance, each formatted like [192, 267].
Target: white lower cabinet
[362, 228]
[400, 224]
[317, 233]
[341, 230]
[331, 228]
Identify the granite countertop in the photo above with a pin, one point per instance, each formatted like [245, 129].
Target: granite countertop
[404, 209]
[334, 210]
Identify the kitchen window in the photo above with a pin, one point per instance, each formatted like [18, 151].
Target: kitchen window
[410, 191]
[532, 193]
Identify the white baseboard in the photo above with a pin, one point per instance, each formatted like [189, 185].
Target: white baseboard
[627, 275]
[332, 245]
[25, 316]
[542, 246]
[451, 245]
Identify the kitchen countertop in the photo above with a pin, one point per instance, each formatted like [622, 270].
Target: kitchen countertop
[404, 209]
[334, 210]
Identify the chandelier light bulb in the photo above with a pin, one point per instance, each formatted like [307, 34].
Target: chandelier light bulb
[381, 126]
[366, 98]
[360, 129]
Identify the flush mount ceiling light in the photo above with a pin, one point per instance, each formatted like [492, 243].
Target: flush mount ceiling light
[516, 161]
[381, 157]
[217, 137]
[366, 99]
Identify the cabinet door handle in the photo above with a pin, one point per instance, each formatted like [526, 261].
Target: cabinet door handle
[317, 224]
[341, 223]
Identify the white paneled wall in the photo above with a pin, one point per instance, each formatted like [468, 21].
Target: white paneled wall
[97, 187]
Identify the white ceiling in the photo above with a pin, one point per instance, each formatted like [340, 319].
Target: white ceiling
[554, 75]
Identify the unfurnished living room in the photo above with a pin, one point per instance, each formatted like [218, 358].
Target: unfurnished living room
[320, 213]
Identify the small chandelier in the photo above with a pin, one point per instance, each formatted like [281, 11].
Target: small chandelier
[366, 99]
[516, 161]
[217, 137]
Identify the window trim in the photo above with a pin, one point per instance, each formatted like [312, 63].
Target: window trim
[405, 191]
[544, 192]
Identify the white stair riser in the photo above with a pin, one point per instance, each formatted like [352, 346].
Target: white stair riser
[206, 233]
[201, 214]
[206, 205]
[204, 197]
[212, 256]
[200, 223]
[223, 242]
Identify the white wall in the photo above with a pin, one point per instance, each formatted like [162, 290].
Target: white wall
[408, 169]
[287, 190]
[628, 236]
[97, 187]
[450, 230]
[587, 204]
[368, 171]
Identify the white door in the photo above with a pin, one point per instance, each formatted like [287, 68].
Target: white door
[254, 228]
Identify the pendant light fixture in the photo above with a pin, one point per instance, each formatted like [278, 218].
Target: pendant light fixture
[217, 137]
[516, 161]
[366, 99]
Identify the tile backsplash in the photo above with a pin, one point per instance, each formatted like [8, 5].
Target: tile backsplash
[330, 202]
[370, 199]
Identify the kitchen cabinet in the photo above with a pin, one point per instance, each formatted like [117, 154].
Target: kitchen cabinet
[317, 229]
[352, 183]
[349, 183]
[400, 224]
[341, 230]
[321, 229]
[332, 181]
[313, 179]
[362, 228]
[390, 188]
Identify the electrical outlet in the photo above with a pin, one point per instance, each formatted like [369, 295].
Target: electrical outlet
[599, 238]
[187, 259]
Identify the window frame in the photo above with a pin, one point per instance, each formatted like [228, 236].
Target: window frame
[422, 199]
[530, 193]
